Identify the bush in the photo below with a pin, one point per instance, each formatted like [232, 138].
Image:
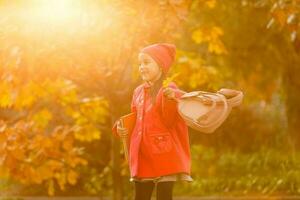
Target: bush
[267, 171]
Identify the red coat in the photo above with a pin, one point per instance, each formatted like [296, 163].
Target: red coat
[159, 143]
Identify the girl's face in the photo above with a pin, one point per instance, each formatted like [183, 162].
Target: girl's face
[149, 69]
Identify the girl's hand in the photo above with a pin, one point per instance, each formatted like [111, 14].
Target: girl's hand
[122, 132]
[169, 93]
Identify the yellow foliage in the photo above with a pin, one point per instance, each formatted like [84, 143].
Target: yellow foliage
[212, 37]
[217, 47]
[42, 118]
[47, 143]
[198, 79]
[68, 143]
[69, 96]
[36, 142]
[62, 180]
[18, 153]
[51, 187]
[32, 174]
[87, 133]
[216, 32]
[194, 72]
[5, 95]
[47, 157]
[45, 172]
[72, 177]
[27, 95]
[74, 161]
[198, 36]
[4, 173]
[211, 3]
[168, 80]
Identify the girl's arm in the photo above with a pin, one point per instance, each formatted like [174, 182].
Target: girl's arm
[132, 108]
[169, 106]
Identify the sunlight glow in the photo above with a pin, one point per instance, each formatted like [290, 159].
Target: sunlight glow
[55, 11]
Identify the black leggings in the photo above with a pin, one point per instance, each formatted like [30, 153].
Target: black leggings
[143, 190]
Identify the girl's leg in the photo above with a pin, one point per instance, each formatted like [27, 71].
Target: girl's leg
[143, 190]
[164, 190]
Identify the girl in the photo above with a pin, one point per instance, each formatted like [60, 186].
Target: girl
[159, 150]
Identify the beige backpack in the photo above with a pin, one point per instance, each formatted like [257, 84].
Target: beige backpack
[206, 111]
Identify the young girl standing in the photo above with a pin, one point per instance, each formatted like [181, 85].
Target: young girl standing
[159, 150]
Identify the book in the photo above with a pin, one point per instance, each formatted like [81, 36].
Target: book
[128, 122]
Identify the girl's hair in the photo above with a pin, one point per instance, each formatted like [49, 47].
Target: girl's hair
[156, 86]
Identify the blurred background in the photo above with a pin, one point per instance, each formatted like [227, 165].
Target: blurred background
[68, 69]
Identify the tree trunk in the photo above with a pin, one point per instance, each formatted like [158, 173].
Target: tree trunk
[291, 86]
[116, 168]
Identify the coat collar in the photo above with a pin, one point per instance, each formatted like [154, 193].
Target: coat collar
[146, 85]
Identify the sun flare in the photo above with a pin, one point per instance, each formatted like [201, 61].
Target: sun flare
[53, 11]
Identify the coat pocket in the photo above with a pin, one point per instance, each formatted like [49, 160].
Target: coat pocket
[160, 143]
